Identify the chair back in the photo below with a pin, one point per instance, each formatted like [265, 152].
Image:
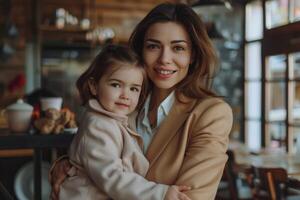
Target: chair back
[270, 181]
[232, 176]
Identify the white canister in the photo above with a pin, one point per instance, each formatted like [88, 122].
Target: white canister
[19, 116]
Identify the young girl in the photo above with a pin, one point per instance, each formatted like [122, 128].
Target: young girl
[106, 155]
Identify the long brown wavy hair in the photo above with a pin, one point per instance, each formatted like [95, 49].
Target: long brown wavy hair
[110, 56]
[198, 82]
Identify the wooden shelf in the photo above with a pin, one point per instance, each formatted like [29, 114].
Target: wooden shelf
[71, 29]
[69, 34]
[16, 153]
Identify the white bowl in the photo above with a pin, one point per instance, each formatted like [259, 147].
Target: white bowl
[24, 181]
[51, 102]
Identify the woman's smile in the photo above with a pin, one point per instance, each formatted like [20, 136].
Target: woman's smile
[164, 73]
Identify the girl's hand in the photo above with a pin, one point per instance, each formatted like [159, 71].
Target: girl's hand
[58, 175]
[176, 193]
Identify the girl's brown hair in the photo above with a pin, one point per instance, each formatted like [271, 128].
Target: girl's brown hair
[110, 56]
[198, 81]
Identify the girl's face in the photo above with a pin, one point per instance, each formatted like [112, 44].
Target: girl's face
[167, 53]
[118, 91]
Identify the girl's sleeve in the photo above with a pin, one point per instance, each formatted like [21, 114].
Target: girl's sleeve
[205, 156]
[101, 150]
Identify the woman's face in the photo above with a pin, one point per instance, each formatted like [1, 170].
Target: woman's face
[167, 53]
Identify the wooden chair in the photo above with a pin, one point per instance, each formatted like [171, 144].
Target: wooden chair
[236, 187]
[272, 183]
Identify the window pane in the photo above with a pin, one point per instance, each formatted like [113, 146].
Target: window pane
[296, 103]
[277, 132]
[275, 67]
[276, 13]
[296, 131]
[254, 19]
[295, 65]
[276, 101]
[295, 10]
[253, 99]
[253, 61]
[253, 134]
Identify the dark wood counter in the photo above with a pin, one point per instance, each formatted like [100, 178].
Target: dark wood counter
[23, 141]
[37, 143]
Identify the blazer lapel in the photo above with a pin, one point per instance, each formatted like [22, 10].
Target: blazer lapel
[168, 129]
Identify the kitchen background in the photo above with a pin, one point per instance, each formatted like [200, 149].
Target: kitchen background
[46, 44]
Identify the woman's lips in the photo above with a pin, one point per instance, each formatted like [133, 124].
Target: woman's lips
[164, 73]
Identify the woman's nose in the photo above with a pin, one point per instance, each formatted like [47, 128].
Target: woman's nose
[165, 56]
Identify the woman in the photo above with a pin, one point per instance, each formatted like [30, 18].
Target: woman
[184, 126]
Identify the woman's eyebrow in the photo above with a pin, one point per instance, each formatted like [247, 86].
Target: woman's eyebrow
[172, 42]
[178, 41]
[152, 40]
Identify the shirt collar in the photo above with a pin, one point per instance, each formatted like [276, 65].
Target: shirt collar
[165, 106]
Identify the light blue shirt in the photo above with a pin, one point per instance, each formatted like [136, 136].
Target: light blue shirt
[143, 123]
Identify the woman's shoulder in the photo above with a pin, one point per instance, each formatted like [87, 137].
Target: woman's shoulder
[213, 113]
[212, 104]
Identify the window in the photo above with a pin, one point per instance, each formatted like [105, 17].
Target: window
[253, 74]
[272, 74]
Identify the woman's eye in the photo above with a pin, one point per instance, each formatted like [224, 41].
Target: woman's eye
[134, 89]
[116, 85]
[152, 46]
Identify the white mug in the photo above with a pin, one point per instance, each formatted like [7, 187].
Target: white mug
[51, 102]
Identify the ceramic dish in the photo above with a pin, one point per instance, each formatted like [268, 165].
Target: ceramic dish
[24, 181]
[71, 130]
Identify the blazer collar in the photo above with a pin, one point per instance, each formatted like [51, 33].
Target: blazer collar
[169, 127]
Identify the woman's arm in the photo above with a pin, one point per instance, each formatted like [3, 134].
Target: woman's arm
[205, 156]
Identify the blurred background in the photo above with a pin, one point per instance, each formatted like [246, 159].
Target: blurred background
[46, 44]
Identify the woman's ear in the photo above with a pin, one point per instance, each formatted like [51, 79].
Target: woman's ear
[92, 87]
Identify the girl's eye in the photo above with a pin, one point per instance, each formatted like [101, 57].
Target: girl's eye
[135, 89]
[116, 85]
[152, 46]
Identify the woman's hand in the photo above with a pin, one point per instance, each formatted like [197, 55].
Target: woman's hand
[58, 175]
[176, 193]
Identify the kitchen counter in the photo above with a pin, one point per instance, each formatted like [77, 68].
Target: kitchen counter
[36, 142]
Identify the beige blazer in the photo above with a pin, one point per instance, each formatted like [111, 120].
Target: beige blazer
[108, 161]
[190, 146]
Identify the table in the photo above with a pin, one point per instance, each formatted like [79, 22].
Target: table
[267, 158]
[36, 142]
